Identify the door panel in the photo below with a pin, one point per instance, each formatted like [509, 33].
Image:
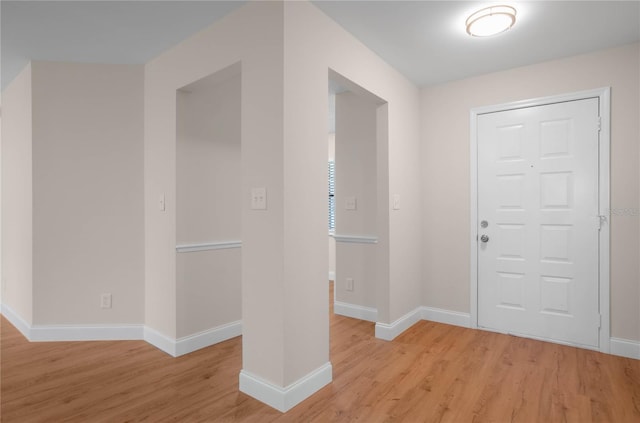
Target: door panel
[538, 192]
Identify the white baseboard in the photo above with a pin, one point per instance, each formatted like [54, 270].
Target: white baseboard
[56, 333]
[448, 317]
[284, 399]
[388, 332]
[133, 332]
[207, 338]
[355, 311]
[625, 348]
[160, 341]
[47, 333]
[332, 276]
[16, 320]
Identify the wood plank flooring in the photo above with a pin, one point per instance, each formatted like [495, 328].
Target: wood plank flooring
[431, 373]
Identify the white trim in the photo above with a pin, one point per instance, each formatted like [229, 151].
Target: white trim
[388, 332]
[207, 246]
[605, 230]
[332, 276]
[160, 341]
[355, 311]
[56, 333]
[284, 399]
[604, 95]
[188, 344]
[625, 348]
[356, 239]
[16, 320]
[48, 333]
[448, 317]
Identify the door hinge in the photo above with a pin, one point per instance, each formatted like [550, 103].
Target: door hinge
[599, 123]
[601, 221]
[599, 321]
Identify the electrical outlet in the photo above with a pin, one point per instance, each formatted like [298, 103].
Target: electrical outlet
[258, 198]
[349, 286]
[105, 301]
[351, 203]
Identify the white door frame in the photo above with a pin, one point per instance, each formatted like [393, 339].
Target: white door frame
[603, 94]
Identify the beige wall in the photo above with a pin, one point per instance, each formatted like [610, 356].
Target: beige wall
[284, 127]
[253, 36]
[17, 199]
[446, 180]
[332, 241]
[208, 203]
[313, 44]
[356, 176]
[87, 189]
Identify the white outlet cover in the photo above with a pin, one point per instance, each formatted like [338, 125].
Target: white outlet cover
[258, 198]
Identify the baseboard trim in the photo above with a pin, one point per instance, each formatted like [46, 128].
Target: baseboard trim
[124, 332]
[284, 399]
[332, 276]
[448, 317]
[64, 333]
[206, 338]
[56, 333]
[16, 320]
[160, 341]
[625, 348]
[355, 311]
[389, 332]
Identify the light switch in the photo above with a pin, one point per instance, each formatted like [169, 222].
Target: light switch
[350, 203]
[396, 201]
[162, 203]
[258, 198]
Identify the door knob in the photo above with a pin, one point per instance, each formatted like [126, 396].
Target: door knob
[484, 238]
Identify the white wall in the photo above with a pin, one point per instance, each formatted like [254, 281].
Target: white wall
[356, 177]
[208, 203]
[87, 189]
[445, 177]
[17, 199]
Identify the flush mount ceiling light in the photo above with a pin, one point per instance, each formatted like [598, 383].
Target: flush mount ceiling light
[491, 21]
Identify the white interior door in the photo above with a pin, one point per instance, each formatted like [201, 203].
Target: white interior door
[538, 194]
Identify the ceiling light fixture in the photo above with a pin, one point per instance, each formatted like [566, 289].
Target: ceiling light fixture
[491, 21]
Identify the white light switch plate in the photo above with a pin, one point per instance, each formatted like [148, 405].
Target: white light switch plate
[396, 201]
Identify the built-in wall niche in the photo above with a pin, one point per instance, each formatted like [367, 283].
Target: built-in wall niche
[208, 202]
[361, 179]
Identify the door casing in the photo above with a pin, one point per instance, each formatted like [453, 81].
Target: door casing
[604, 95]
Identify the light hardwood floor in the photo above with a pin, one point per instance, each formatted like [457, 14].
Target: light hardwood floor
[431, 373]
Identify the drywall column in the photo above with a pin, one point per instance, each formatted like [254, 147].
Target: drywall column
[17, 201]
[284, 255]
[296, 249]
[208, 207]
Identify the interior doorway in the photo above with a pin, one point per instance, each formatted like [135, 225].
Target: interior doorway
[208, 208]
[355, 139]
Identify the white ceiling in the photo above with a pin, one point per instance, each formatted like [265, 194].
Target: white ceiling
[425, 40]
